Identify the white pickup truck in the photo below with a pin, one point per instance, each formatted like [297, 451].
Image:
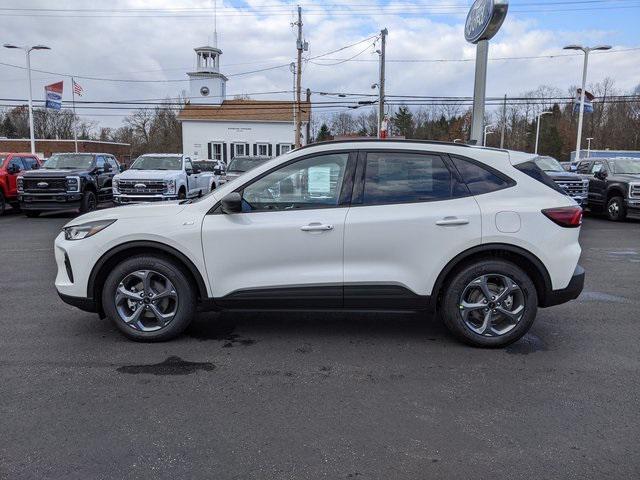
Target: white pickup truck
[157, 177]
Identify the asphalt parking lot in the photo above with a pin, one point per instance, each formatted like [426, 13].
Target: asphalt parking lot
[362, 396]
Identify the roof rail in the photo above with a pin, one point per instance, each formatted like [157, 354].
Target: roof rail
[385, 140]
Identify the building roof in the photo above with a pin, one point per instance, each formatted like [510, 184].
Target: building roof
[246, 110]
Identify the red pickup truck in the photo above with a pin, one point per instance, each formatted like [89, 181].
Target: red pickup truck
[11, 165]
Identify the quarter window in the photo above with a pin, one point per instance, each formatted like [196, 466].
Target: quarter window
[405, 178]
[314, 182]
[480, 179]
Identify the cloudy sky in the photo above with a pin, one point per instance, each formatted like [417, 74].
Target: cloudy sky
[152, 41]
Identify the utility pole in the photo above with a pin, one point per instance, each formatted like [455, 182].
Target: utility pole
[383, 47]
[308, 132]
[504, 121]
[300, 47]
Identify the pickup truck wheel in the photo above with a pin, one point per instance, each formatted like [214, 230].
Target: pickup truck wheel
[213, 186]
[149, 298]
[489, 303]
[616, 211]
[89, 202]
[182, 194]
[3, 204]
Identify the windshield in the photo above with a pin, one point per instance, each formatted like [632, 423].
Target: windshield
[69, 161]
[549, 164]
[244, 164]
[626, 165]
[157, 163]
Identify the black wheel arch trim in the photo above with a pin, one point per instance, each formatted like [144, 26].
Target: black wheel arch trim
[544, 290]
[137, 244]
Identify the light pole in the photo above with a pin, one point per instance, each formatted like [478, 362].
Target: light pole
[486, 132]
[538, 129]
[589, 147]
[27, 51]
[586, 51]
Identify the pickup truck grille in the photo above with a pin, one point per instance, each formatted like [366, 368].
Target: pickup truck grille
[39, 185]
[634, 190]
[574, 188]
[141, 187]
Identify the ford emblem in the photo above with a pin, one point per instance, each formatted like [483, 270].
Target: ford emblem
[140, 185]
[43, 184]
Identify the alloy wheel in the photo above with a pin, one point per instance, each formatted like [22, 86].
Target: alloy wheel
[492, 305]
[146, 300]
[614, 209]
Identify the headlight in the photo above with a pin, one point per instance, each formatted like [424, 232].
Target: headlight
[73, 184]
[85, 230]
[171, 186]
[115, 186]
[20, 184]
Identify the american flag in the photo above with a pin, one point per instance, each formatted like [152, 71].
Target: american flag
[77, 89]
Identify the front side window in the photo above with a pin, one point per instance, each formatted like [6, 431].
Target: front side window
[16, 162]
[583, 167]
[30, 163]
[100, 162]
[405, 178]
[596, 167]
[314, 182]
[480, 179]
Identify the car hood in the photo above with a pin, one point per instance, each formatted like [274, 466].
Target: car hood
[147, 174]
[563, 175]
[626, 177]
[140, 210]
[57, 172]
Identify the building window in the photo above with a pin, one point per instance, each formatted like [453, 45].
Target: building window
[285, 147]
[263, 149]
[216, 151]
[240, 150]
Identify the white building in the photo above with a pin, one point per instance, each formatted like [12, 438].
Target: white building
[218, 129]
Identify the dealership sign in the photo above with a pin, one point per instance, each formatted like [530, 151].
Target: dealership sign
[485, 19]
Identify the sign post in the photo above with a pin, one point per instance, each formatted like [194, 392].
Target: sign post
[483, 21]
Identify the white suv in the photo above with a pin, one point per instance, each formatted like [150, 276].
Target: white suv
[479, 235]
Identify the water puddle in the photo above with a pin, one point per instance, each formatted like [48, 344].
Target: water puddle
[213, 330]
[601, 297]
[171, 366]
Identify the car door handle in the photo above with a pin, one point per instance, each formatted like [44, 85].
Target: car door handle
[452, 221]
[316, 227]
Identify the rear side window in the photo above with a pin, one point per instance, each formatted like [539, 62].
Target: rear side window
[533, 170]
[481, 179]
[392, 177]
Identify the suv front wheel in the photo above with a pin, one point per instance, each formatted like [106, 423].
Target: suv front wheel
[489, 303]
[149, 298]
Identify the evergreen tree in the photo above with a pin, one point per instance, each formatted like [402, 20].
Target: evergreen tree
[403, 122]
[324, 134]
[7, 129]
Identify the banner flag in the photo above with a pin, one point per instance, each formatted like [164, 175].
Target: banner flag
[588, 102]
[53, 94]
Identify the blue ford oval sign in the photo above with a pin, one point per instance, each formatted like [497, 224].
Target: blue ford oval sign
[485, 19]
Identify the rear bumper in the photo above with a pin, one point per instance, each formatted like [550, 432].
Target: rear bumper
[571, 292]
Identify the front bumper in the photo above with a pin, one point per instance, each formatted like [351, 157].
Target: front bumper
[85, 304]
[633, 207]
[571, 292]
[581, 200]
[123, 199]
[49, 201]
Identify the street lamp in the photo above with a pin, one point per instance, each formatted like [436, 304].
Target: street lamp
[27, 51]
[538, 129]
[589, 147]
[586, 51]
[487, 132]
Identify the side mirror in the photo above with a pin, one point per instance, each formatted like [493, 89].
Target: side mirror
[231, 203]
[122, 167]
[107, 168]
[189, 171]
[196, 170]
[601, 174]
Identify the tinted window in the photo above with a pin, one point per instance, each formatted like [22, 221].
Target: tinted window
[113, 162]
[404, 178]
[533, 170]
[314, 182]
[583, 167]
[16, 162]
[596, 167]
[480, 179]
[30, 163]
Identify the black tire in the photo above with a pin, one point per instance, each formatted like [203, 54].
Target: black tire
[3, 204]
[182, 194]
[185, 298]
[213, 186]
[89, 202]
[616, 211]
[451, 309]
[32, 213]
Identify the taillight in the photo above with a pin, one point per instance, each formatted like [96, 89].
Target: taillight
[569, 217]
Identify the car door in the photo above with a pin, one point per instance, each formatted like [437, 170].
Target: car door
[597, 184]
[404, 225]
[17, 166]
[286, 247]
[193, 186]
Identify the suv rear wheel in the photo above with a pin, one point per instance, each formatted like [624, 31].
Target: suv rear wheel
[615, 209]
[149, 298]
[489, 303]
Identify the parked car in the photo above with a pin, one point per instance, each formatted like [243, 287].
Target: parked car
[217, 168]
[240, 165]
[12, 165]
[157, 177]
[614, 186]
[571, 183]
[468, 232]
[68, 181]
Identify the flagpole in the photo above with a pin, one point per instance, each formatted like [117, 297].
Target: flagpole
[73, 103]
